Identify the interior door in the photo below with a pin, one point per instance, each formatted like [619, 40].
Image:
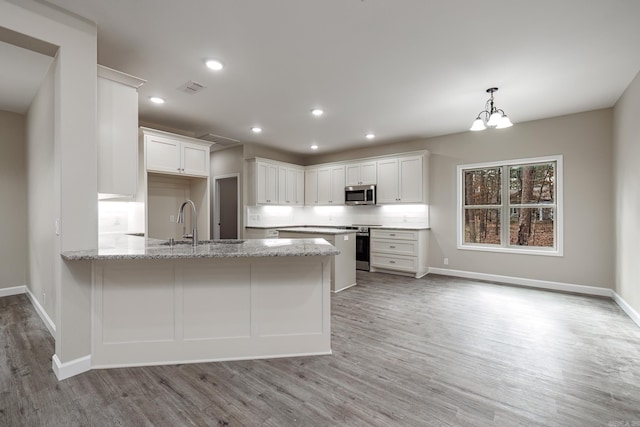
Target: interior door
[227, 208]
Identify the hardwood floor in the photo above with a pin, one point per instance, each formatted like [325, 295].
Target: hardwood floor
[407, 352]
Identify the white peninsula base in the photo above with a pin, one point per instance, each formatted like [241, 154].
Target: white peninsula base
[166, 311]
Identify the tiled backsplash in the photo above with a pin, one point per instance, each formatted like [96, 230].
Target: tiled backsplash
[266, 216]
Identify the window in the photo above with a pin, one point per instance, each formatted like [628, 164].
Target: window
[512, 206]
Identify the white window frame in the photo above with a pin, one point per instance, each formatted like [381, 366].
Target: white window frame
[505, 247]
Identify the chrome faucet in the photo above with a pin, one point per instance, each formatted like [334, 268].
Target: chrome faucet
[194, 221]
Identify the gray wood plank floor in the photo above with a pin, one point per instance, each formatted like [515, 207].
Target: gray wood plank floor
[407, 352]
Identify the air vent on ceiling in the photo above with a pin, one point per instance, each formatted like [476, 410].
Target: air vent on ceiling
[222, 141]
[191, 87]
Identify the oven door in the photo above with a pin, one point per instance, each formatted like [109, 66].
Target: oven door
[362, 251]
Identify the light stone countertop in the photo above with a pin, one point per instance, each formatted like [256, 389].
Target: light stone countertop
[316, 230]
[122, 247]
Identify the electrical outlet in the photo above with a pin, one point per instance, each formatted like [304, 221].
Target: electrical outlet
[446, 261]
[172, 218]
[404, 218]
[44, 298]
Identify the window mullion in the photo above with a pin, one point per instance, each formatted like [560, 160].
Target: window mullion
[505, 218]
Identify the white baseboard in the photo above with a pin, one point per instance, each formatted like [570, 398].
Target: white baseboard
[14, 290]
[531, 283]
[626, 308]
[544, 284]
[346, 287]
[71, 368]
[42, 313]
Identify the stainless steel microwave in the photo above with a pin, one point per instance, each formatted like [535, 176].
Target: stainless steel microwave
[360, 195]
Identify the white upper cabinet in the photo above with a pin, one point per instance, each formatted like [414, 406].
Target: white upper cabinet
[300, 187]
[311, 187]
[266, 183]
[361, 173]
[331, 185]
[290, 186]
[117, 133]
[401, 180]
[275, 183]
[175, 154]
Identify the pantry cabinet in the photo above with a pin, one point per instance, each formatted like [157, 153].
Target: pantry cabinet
[117, 133]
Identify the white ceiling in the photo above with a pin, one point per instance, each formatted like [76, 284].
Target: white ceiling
[403, 69]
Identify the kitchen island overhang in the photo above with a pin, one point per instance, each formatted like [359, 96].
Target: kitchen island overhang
[155, 304]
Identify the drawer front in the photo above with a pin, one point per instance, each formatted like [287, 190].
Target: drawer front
[394, 263]
[394, 234]
[398, 247]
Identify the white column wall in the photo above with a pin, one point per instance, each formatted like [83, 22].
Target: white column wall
[75, 160]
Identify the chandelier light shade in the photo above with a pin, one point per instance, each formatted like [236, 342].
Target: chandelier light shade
[491, 116]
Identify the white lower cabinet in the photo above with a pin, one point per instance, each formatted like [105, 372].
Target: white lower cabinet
[399, 251]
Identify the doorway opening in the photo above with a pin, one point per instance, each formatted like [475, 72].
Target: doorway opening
[226, 210]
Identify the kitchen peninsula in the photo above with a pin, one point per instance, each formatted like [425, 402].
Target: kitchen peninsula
[154, 303]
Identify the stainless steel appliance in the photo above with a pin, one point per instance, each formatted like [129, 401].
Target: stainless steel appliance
[360, 195]
[362, 247]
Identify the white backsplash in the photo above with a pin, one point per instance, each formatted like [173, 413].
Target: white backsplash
[275, 216]
[120, 217]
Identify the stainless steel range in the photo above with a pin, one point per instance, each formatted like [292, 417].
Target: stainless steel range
[362, 246]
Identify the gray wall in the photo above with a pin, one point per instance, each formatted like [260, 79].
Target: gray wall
[41, 192]
[585, 141]
[13, 208]
[626, 149]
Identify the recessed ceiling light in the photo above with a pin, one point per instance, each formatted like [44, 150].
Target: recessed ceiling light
[370, 135]
[214, 65]
[317, 112]
[256, 129]
[314, 147]
[156, 100]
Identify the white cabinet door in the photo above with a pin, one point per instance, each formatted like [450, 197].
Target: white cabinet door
[266, 183]
[300, 187]
[195, 159]
[410, 180]
[360, 174]
[352, 174]
[311, 187]
[286, 185]
[163, 155]
[331, 185]
[401, 180]
[282, 185]
[337, 185]
[368, 173]
[324, 186]
[117, 138]
[387, 188]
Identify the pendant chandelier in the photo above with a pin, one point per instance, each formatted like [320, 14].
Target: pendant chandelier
[491, 116]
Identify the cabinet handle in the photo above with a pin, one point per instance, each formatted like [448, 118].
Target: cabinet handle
[392, 234]
[392, 262]
[392, 247]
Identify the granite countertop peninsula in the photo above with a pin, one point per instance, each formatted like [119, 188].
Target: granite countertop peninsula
[123, 247]
[316, 230]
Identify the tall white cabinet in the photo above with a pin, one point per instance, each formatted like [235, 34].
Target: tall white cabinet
[117, 133]
[174, 168]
